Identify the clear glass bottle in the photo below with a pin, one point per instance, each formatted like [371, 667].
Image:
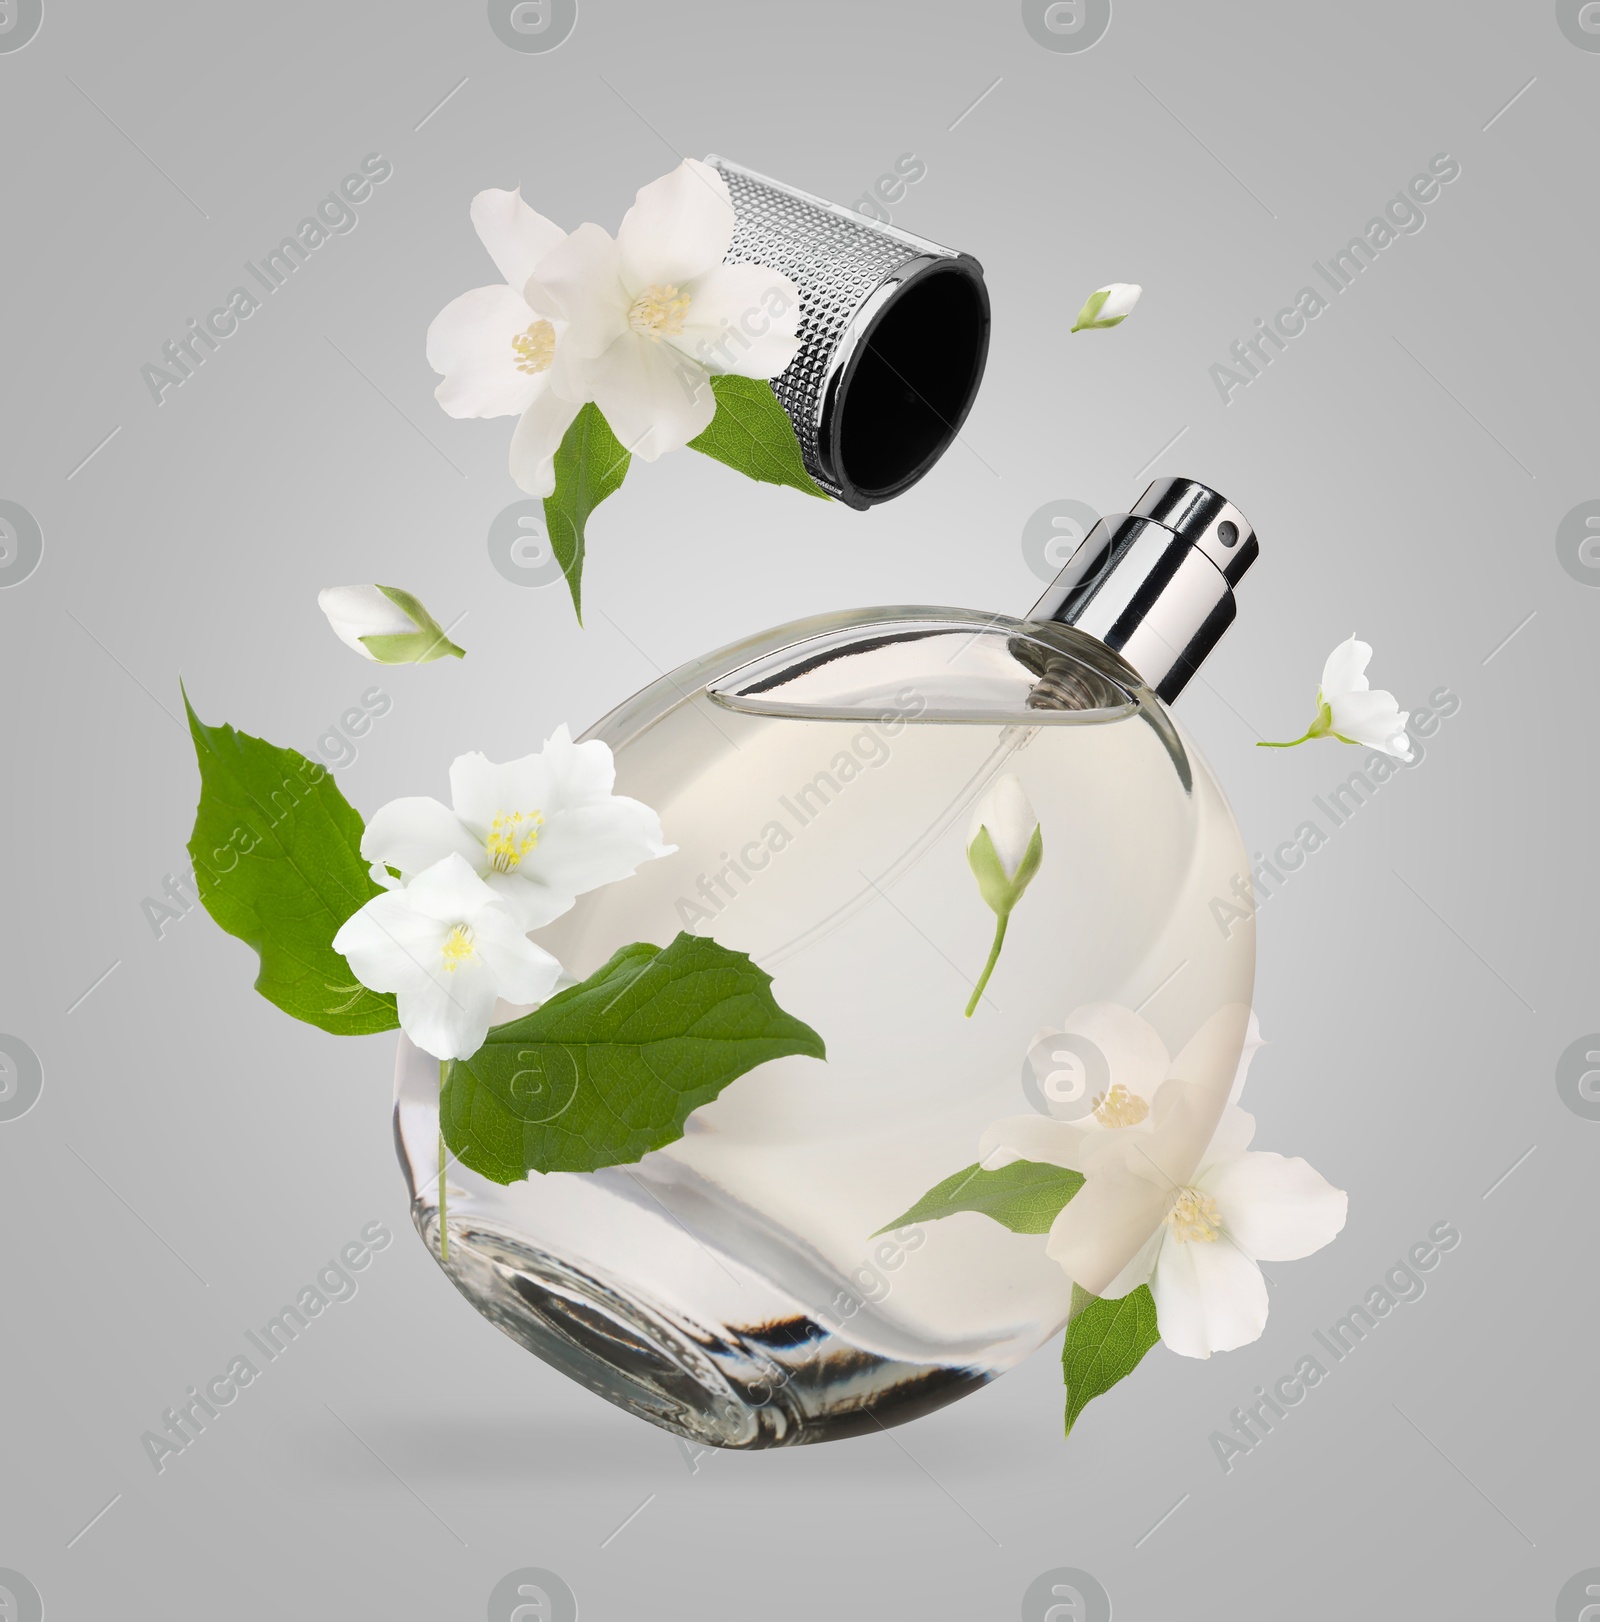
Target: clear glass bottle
[818, 781]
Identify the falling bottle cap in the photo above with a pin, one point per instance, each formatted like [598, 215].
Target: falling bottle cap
[894, 335]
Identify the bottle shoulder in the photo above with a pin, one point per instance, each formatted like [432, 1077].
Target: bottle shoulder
[932, 663]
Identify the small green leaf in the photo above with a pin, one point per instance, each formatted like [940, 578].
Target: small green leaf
[1105, 1341]
[1091, 308]
[411, 648]
[277, 861]
[1026, 1196]
[993, 885]
[1028, 867]
[427, 643]
[752, 434]
[590, 465]
[610, 1069]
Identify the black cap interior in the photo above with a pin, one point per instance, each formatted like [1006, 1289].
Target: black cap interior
[908, 388]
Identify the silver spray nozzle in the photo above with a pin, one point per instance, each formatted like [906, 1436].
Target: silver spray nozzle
[1156, 584]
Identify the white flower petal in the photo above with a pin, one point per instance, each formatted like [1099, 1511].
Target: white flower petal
[1010, 818]
[522, 972]
[470, 343]
[412, 834]
[591, 845]
[580, 281]
[388, 944]
[742, 319]
[678, 228]
[1253, 1043]
[1233, 1136]
[536, 440]
[1106, 1224]
[1135, 1056]
[450, 891]
[358, 611]
[1120, 300]
[1345, 671]
[653, 396]
[581, 772]
[516, 236]
[1373, 718]
[1031, 1137]
[1209, 1297]
[1276, 1209]
[449, 1015]
[1140, 1269]
[532, 903]
[482, 789]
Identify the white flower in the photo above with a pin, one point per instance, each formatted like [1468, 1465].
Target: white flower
[1208, 1229]
[386, 624]
[539, 831]
[1358, 714]
[496, 352]
[652, 313]
[1004, 850]
[1101, 1072]
[449, 949]
[1108, 306]
[1349, 710]
[1195, 1231]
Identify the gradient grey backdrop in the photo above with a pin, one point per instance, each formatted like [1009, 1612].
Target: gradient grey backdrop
[195, 1157]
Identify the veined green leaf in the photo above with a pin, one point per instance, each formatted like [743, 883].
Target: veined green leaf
[590, 465]
[610, 1069]
[752, 434]
[277, 861]
[1105, 1342]
[1026, 1196]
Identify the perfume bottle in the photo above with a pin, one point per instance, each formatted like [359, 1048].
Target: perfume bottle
[819, 780]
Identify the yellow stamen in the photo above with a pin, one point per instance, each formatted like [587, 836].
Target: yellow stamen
[458, 948]
[535, 348]
[658, 312]
[1194, 1218]
[1119, 1107]
[512, 835]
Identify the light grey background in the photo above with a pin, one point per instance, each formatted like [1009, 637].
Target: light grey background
[195, 1157]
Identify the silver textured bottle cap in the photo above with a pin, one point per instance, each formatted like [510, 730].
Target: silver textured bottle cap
[874, 403]
[1156, 584]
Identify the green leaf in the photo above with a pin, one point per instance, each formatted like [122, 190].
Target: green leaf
[993, 885]
[1104, 1344]
[752, 433]
[277, 861]
[422, 646]
[590, 465]
[1026, 1196]
[1091, 308]
[610, 1069]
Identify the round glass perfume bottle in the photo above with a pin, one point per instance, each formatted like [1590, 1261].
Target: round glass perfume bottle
[737, 1287]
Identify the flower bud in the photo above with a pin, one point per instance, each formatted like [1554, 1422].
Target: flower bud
[385, 624]
[1108, 306]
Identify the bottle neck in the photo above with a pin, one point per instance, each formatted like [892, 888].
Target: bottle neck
[1155, 585]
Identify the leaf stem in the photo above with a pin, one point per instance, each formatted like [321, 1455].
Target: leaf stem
[444, 1232]
[994, 957]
